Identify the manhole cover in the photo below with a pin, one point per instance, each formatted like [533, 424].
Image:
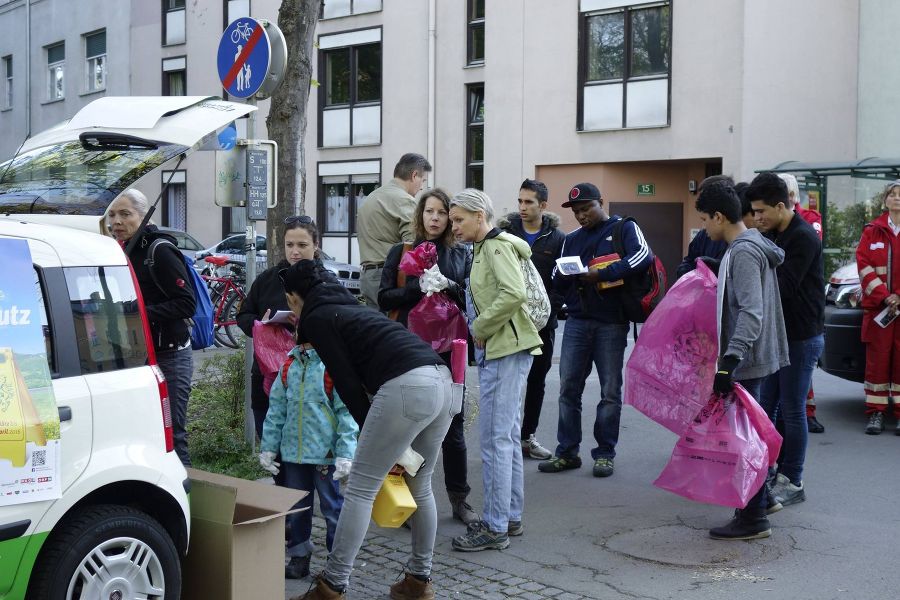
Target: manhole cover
[684, 546]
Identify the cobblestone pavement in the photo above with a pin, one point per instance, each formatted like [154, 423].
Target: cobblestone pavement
[380, 564]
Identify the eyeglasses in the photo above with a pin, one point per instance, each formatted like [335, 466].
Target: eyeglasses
[302, 219]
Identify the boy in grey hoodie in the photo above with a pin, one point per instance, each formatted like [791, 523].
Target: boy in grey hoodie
[752, 339]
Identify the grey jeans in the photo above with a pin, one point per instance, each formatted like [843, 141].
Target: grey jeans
[413, 409]
[178, 368]
[369, 284]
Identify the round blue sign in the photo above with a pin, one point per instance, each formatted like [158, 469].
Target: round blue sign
[243, 58]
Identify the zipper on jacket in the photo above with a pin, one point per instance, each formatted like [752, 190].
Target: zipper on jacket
[305, 360]
[515, 333]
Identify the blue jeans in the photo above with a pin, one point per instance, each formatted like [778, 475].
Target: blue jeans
[309, 478]
[784, 394]
[499, 426]
[586, 342]
[413, 409]
[178, 368]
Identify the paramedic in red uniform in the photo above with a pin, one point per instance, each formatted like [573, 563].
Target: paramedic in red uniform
[878, 251]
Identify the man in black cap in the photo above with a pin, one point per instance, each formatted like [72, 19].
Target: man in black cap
[596, 329]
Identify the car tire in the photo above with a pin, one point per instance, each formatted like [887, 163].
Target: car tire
[124, 546]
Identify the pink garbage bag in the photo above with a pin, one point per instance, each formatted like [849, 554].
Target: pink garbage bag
[418, 259]
[437, 320]
[721, 457]
[671, 369]
[271, 344]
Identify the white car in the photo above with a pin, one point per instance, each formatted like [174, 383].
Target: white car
[118, 525]
[122, 523]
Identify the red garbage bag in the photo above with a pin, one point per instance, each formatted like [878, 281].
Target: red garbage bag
[271, 344]
[437, 320]
[418, 259]
[721, 458]
[672, 366]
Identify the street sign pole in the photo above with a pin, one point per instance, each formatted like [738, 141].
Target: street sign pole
[250, 243]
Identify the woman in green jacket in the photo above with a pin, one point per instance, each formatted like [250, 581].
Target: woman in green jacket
[508, 338]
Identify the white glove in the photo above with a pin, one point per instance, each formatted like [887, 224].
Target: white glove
[432, 280]
[411, 461]
[341, 468]
[267, 462]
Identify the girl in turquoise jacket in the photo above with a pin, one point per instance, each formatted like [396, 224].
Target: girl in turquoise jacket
[311, 426]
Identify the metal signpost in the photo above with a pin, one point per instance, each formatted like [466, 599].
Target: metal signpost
[251, 59]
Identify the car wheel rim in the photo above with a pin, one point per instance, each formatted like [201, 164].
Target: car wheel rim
[118, 569]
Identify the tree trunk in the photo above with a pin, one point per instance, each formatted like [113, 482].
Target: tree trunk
[286, 122]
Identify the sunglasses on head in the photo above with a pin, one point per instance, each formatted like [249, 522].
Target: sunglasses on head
[302, 219]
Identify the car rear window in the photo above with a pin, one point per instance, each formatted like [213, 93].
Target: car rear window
[109, 330]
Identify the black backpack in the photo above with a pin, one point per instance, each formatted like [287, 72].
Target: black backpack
[642, 291]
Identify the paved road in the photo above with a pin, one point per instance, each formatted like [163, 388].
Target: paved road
[622, 538]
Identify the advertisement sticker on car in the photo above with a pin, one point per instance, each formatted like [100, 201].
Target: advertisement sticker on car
[29, 420]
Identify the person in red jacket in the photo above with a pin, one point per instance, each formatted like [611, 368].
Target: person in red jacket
[814, 218]
[876, 259]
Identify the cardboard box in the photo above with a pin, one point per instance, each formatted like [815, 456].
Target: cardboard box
[237, 538]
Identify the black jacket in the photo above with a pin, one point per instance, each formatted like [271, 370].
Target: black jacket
[701, 245]
[801, 280]
[361, 348]
[266, 293]
[454, 263]
[172, 302]
[544, 252]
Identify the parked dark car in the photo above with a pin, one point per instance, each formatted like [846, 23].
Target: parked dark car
[845, 354]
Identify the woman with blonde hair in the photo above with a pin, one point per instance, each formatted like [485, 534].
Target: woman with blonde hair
[504, 332]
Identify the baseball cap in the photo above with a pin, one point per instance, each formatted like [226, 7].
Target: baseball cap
[583, 192]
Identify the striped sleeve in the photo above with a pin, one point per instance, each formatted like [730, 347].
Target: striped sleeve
[637, 254]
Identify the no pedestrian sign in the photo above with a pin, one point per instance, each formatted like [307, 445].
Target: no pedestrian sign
[243, 58]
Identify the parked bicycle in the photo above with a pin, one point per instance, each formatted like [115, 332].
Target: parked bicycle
[225, 279]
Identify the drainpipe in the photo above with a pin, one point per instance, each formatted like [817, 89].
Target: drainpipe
[28, 68]
[432, 83]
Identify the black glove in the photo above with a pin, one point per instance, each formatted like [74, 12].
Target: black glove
[724, 381]
[712, 263]
[413, 292]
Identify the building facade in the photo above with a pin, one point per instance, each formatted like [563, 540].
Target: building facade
[643, 99]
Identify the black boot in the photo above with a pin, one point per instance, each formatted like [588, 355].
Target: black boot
[747, 524]
[297, 568]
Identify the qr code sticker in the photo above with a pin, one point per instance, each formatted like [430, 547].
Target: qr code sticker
[38, 458]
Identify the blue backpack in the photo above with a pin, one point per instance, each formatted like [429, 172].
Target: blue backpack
[201, 324]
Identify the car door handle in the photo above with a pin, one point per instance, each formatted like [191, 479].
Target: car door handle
[65, 413]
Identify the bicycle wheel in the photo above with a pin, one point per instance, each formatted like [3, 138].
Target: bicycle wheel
[220, 333]
[229, 320]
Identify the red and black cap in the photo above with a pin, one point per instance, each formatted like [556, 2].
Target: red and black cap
[583, 192]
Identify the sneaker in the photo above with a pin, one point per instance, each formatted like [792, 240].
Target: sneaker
[515, 529]
[603, 467]
[772, 503]
[412, 588]
[531, 448]
[813, 425]
[479, 537]
[558, 464]
[462, 510]
[747, 524]
[786, 492]
[875, 424]
[297, 568]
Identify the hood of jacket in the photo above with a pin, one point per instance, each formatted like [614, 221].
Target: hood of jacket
[881, 222]
[773, 253]
[521, 246]
[513, 222]
[326, 293]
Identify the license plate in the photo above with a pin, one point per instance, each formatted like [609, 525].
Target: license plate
[353, 285]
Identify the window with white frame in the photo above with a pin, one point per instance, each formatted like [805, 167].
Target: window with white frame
[56, 71]
[8, 81]
[624, 65]
[175, 206]
[174, 82]
[95, 60]
[173, 13]
[343, 188]
[350, 88]
[343, 8]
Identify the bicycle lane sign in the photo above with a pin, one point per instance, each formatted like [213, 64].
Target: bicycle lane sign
[243, 57]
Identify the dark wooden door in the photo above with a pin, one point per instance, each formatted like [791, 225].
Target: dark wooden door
[662, 224]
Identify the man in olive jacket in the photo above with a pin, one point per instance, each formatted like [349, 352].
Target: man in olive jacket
[541, 230]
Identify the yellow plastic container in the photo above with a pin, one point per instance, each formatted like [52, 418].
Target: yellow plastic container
[394, 503]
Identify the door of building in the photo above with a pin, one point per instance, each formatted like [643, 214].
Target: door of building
[662, 224]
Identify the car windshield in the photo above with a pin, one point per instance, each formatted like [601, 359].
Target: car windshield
[68, 179]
